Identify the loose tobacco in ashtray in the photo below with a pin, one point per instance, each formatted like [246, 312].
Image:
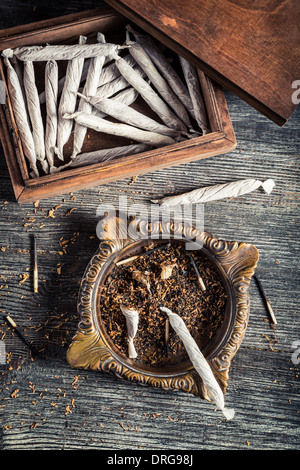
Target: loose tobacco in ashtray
[202, 312]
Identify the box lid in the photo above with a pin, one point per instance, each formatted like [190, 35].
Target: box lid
[251, 47]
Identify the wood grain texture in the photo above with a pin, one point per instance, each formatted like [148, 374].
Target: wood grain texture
[47, 405]
[251, 47]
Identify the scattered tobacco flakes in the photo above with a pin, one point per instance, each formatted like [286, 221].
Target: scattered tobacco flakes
[202, 312]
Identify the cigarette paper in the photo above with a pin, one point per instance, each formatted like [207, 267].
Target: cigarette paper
[102, 155]
[192, 81]
[21, 117]
[161, 85]
[124, 130]
[65, 52]
[150, 96]
[124, 113]
[165, 68]
[51, 92]
[199, 362]
[90, 88]
[132, 319]
[35, 114]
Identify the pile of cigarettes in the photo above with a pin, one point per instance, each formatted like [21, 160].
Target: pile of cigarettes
[101, 81]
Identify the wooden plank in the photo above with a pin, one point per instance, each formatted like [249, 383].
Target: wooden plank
[253, 49]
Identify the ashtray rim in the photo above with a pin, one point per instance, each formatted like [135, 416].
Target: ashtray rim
[88, 349]
[210, 351]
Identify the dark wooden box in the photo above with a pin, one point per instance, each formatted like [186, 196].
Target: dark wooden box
[66, 29]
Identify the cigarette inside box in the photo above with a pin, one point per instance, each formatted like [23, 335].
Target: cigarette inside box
[111, 90]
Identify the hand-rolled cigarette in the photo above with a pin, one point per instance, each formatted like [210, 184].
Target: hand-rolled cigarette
[165, 68]
[142, 278]
[124, 113]
[51, 92]
[132, 320]
[21, 117]
[18, 66]
[149, 95]
[67, 102]
[118, 84]
[61, 81]
[90, 88]
[111, 71]
[191, 77]
[167, 269]
[127, 96]
[102, 155]
[65, 52]
[108, 74]
[217, 192]
[199, 362]
[101, 125]
[35, 114]
[161, 85]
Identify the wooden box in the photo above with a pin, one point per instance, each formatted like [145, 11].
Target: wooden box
[66, 29]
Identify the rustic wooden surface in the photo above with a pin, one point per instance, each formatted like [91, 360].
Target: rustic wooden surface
[47, 405]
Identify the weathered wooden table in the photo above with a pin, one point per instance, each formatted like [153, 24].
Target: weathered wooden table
[47, 405]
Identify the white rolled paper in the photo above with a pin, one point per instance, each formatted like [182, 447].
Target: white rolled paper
[90, 88]
[132, 320]
[21, 117]
[35, 114]
[65, 52]
[199, 362]
[51, 92]
[217, 192]
[192, 81]
[124, 130]
[124, 113]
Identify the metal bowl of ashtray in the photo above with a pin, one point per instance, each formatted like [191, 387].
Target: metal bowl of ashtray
[133, 280]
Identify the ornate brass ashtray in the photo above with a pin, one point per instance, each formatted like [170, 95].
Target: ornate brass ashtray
[97, 344]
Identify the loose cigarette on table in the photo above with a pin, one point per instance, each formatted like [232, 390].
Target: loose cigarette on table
[64, 52]
[90, 88]
[161, 85]
[51, 93]
[124, 130]
[165, 68]
[21, 117]
[102, 155]
[149, 95]
[130, 116]
[192, 81]
[132, 320]
[34, 110]
[68, 100]
[217, 192]
[199, 362]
